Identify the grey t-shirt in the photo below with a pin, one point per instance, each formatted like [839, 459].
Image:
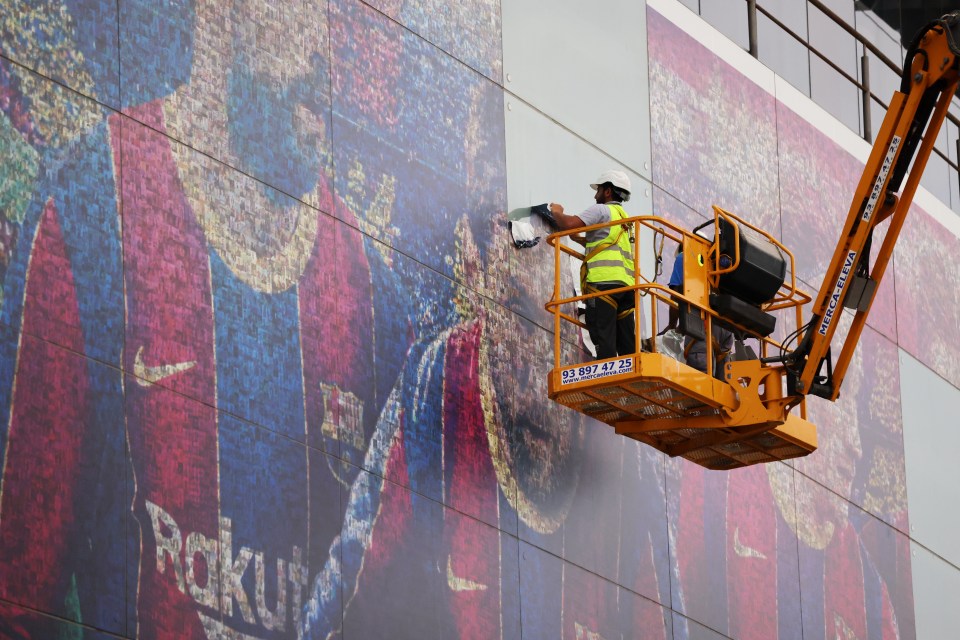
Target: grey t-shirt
[597, 214]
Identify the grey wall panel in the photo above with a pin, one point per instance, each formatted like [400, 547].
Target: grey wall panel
[831, 40]
[729, 17]
[585, 66]
[834, 93]
[954, 202]
[936, 175]
[883, 80]
[930, 443]
[547, 163]
[786, 56]
[936, 584]
[792, 14]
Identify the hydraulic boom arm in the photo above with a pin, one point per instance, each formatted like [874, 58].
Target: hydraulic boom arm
[903, 145]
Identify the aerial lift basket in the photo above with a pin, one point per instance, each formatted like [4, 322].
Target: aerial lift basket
[658, 400]
[680, 411]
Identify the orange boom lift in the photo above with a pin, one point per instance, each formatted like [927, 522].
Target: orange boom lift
[742, 279]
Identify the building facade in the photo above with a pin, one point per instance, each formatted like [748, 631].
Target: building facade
[271, 366]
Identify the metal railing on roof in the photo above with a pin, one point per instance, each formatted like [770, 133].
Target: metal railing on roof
[862, 84]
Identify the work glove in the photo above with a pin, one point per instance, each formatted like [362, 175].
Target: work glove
[546, 211]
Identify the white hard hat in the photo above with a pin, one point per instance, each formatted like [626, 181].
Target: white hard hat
[617, 178]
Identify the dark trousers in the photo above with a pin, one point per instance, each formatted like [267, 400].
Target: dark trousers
[610, 321]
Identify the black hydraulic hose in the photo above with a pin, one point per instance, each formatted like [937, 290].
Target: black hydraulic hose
[948, 23]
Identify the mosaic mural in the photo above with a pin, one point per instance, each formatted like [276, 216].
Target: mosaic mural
[258, 372]
[271, 368]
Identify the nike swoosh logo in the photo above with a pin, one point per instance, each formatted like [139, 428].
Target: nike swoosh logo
[456, 583]
[743, 550]
[844, 632]
[146, 376]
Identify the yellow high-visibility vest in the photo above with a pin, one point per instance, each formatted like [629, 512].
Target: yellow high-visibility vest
[610, 259]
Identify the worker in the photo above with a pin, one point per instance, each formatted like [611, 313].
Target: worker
[694, 349]
[676, 284]
[608, 265]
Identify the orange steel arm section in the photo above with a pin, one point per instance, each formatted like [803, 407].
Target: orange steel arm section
[908, 133]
